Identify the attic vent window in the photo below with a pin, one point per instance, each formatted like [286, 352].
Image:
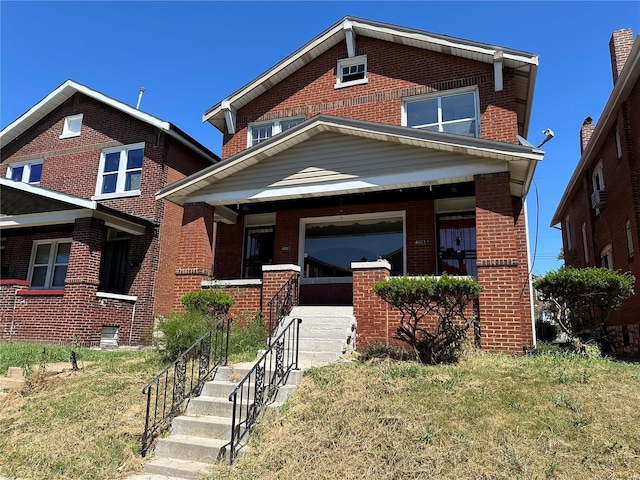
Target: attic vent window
[259, 132]
[72, 126]
[351, 71]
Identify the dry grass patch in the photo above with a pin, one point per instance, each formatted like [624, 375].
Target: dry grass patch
[77, 425]
[490, 417]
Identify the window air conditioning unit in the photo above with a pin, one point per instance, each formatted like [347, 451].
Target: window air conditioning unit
[598, 198]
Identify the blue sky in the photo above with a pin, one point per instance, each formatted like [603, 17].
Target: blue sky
[190, 55]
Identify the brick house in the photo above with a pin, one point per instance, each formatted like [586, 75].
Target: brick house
[375, 150]
[88, 254]
[600, 223]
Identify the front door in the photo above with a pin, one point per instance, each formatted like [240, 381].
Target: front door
[258, 250]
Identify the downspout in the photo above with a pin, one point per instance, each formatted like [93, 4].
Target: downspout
[133, 314]
[529, 271]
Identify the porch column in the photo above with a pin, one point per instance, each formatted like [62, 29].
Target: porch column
[195, 254]
[273, 278]
[375, 323]
[82, 280]
[502, 266]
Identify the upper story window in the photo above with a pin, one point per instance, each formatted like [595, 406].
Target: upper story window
[451, 113]
[120, 171]
[72, 126]
[351, 71]
[606, 257]
[259, 132]
[585, 246]
[627, 229]
[618, 144]
[27, 172]
[598, 197]
[567, 227]
[49, 262]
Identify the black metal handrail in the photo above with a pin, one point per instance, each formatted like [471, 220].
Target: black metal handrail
[183, 379]
[260, 385]
[282, 302]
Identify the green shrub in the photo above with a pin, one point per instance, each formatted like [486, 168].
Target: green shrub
[246, 337]
[443, 299]
[181, 330]
[582, 300]
[209, 302]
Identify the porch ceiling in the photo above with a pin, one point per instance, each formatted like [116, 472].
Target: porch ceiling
[23, 205]
[327, 155]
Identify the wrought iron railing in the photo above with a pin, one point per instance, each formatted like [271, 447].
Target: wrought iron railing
[260, 385]
[282, 302]
[183, 379]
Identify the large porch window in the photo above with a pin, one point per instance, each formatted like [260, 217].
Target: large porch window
[457, 244]
[115, 259]
[330, 244]
[49, 262]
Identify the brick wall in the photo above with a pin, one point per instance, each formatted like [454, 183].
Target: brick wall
[394, 71]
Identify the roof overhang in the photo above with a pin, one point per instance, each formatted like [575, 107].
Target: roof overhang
[484, 156]
[626, 82]
[23, 205]
[524, 64]
[67, 90]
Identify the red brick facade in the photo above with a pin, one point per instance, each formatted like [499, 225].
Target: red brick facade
[78, 312]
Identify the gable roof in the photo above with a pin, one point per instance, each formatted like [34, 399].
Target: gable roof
[24, 205]
[525, 64]
[628, 78]
[429, 152]
[67, 90]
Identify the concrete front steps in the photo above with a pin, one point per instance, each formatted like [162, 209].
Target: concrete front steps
[326, 334]
[197, 436]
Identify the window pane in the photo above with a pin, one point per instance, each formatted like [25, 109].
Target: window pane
[35, 173]
[132, 181]
[62, 255]
[112, 161]
[458, 106]
[287, 124]
[261, 133]
[422, 113]
[109, 183]
[42, 254]
[59, 274]
[462, 128]
[38, 277]
[16, 173]
[134, 159]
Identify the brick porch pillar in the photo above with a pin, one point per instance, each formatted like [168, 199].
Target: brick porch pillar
[505, 321]
[371, 312]
[195, 254]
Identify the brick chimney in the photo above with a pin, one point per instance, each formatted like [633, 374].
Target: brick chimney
[585, 133]
[620, 48]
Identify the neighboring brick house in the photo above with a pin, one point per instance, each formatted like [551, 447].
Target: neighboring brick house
[600, 209]
[88, 254]
[376, 142]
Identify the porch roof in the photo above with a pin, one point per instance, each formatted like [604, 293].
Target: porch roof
[326, 155]
[23, 205]
[525, 64]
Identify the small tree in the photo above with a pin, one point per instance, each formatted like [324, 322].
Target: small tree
[444, 300]
[582, 300]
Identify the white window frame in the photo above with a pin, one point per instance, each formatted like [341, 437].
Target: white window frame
[597, 177]
[350, 62]
[585, 246]
[51, 264]
[567, 227]
[26, 172]
[121, 175]
[276, 127]
[606, 257]
[440, 95]
[629, 235]
[72, 126]
[618, 144]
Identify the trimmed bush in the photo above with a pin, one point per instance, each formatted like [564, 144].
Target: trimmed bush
[582, 300]
[208, 302]
[443, 299]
